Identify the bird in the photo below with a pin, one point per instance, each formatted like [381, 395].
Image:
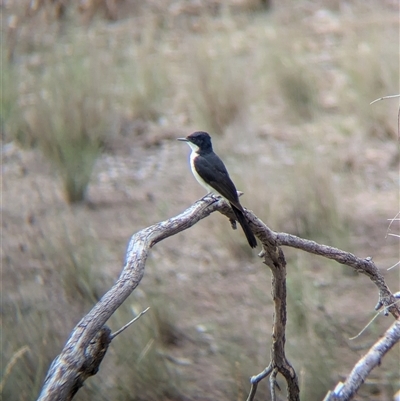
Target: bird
[211, 173]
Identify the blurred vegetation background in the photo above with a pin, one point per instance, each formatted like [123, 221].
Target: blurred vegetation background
[93, 95]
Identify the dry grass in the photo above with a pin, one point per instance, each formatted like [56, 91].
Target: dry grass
[144, 83]
[296, 75]
[9, 97]
[75, 256]
[32, 328]
[315, 211]
[370, 45]
[289, 111]
[141, 356]
[311, 326]
[217, 91]
[45, 306]
[64, 113]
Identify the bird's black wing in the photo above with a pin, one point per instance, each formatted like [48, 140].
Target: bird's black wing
[212, 170]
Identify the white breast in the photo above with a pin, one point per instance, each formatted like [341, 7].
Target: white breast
[195, 148]
[198, 178]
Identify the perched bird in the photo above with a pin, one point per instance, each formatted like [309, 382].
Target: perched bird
[211, 173]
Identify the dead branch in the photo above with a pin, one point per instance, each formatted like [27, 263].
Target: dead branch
[346, 390]
[61, 380]
[275, 260]
[365, 266]
[89, 340]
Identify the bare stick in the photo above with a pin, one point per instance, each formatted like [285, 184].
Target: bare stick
[256, 379]
[384, 97]
[398, 113]
[369, 323]
[113, 335]
[346, 390]
[392, 267]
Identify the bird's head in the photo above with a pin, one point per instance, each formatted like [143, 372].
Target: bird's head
[198, 141]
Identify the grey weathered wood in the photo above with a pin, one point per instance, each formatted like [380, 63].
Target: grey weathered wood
[348, 389]
[89, 340]
[70, 366]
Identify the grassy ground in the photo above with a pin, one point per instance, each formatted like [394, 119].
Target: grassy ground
[91, 109]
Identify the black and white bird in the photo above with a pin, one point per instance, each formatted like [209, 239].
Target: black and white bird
[211, 173]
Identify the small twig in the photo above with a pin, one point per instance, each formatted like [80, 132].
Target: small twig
[396, 264]
[396, 218]
[370, 322]
[366, 326]
[262, 375]
[384, 97]
[253, 390]
[394, 235]
[398, 113]
[256, 379]
[273, 384]
[113, 335]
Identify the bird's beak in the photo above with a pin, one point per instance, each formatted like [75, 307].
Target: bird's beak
[182, 139]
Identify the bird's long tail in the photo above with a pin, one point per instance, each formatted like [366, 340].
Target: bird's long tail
[245, 226]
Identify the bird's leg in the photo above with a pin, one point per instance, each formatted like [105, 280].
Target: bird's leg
[208, 194]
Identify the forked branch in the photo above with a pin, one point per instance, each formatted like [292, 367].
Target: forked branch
[89, 340]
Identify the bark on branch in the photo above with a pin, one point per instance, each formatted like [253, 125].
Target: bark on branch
[346, 390]
[89, 340]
